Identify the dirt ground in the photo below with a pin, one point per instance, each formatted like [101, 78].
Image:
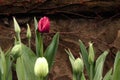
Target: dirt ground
[105, 33]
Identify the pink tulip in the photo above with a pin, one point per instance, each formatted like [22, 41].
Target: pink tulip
[44, 25]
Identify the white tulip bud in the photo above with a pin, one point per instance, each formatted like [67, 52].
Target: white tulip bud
[28, 31]
[16, 26]
[78, 66]
[16, 50]
[41, 67]
[91, 54]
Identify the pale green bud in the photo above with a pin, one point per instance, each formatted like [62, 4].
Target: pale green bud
[91, 54]
[16, 26]
[16, 51]
[28, 31]
[78, 66]
[41, 67]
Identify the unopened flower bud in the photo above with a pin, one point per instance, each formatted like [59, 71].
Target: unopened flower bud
[16, 51]
[28, 31]
[91, 53]
[44, 25]
[41, 67]
[16, 26]
[78, 66]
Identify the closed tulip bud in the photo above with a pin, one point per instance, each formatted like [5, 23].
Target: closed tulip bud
[16, 26]
[78, 66]
[16, 51]
[28, 31]
[41, 67]
[91, 54]
[44, 25]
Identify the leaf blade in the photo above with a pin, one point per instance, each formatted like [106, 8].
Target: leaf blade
[85, 56]
[51, 50]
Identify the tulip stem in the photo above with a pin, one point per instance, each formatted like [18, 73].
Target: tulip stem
[41, 44]
[18, 37]
[91, 71]
[41, 78]
[29, 42]
[77, 76]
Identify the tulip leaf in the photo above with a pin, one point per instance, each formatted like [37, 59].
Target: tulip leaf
[37, 37]
[71, 57]
[25, 64]
[39, 40]
[0, 71]
[8, 68]
[70, 54]
[51, 50]
[108, 75]
[116, 71]
[20, 69]
[117, 58]
[101, 58]
[83, 77]
[85, 56]
[99, 66]
[3, 65]
[98, 72]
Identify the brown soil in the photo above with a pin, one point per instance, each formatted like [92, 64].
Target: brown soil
[105, 33]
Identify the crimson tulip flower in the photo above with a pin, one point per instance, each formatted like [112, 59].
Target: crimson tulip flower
[44, 25]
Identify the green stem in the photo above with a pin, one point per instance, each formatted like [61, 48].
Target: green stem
[74, 76]
[41, 78]
[41, 45]
[91, 71]
[77, 76]
[18, 37]
[36, 41]
[29, 42]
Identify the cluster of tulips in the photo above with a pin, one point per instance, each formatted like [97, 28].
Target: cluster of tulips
[94, 68]
[30, 65]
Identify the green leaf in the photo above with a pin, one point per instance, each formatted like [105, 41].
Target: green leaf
[108, 75]
[116, 72]
[70, 54]
[51, 50]
[9, 63]
[117, 58]
[39, 40]
[3, 65]
[25, 64]
[85, 56]
[71, 57]
[20, 70]
[0, 73]
[101, 58]
[99, 66]
[83, 77]
[98, 72]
